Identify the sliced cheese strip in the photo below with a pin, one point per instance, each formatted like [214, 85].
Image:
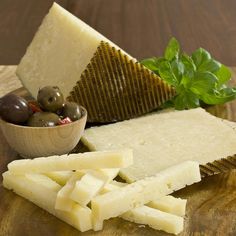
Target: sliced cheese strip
[155, 219]
[117, 202]
[45, 197]
[88, 187]
[88, 160]
[63, 200]
[169, 204]
[61, 177]
[160, 140]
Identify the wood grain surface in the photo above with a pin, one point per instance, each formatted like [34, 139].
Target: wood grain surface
[142, 27]
[211, 207]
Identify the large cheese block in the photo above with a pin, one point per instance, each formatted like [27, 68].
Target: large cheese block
[160, 140]
[80, 161]
[111, 84]
[44, 196]
[133, 195]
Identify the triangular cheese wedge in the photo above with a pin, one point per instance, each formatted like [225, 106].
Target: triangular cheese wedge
[114, 87]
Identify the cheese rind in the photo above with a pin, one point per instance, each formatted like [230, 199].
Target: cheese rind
[119, 201]
[44, 197]
[160, 140]
[155, 219]
[88, 160]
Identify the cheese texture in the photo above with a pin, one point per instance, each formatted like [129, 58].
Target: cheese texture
[60, 51]
[88, 160]
[61, 177]
[44, 197]
[160, 140]
[155, 219]
[119, 201]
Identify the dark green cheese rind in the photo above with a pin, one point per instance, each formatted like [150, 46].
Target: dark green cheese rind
[115, 88]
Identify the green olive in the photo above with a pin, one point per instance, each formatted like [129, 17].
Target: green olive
[71, 110]
[43, 119]
[50, 98]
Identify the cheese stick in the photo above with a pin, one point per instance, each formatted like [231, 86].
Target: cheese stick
[88, 160]
[119, 201]
[44, 197]
[61, 177]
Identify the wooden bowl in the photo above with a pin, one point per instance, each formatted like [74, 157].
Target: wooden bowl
[33, 142]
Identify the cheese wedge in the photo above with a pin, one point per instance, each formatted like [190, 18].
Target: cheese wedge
[63, 201]
[44, 197]
[88, 187]
[160, 140]
[155, 219]
[61, 177]
[88, 160]
[117, 202]
[169, 204]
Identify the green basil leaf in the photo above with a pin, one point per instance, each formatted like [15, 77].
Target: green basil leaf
[200, 56]
[223, 75]
[178, 69]
[188, 62]
[166, 73]
[150, 63]
[219, 97]
[203, 82]
[186, 100]
[172, 49]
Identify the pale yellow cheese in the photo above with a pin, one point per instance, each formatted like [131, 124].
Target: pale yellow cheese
[88, 187]
[88, 160]
[170, 204]
[155, 219]
[119, 201]
[61, 177]
[44, 197]
[60, 51]
[160, 140]
[63, 200]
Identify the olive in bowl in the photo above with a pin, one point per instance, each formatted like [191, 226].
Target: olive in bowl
[33, 142]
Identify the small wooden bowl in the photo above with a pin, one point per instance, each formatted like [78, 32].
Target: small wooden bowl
[33, 142]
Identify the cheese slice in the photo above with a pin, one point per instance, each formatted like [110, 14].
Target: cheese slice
[44, 197]
[88, 187]
[87, 160]
[169, 204]
[119, 201]
[160, 140]
[61, 177]
[67, 44]
[155, 219]
[63, 200]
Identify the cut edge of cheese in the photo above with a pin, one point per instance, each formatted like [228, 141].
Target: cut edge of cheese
[61, 177]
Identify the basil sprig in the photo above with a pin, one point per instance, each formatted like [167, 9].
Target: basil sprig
[197, 79]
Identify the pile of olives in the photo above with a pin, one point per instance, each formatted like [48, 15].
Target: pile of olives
[50, 109]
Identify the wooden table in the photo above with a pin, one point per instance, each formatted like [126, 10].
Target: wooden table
[211, 208]
[141, 27]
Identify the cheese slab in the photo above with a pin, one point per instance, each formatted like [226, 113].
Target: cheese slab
[89, 69]
[133, 195]
[44, 197]
[87, 160]
[155, 219]
[61, 177]
[160, 140]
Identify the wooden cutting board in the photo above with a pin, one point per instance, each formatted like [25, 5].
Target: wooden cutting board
[211, 208]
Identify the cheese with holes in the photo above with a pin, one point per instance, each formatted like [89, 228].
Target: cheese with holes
[133, 195]
[44, 196]
[160, 140]
[155, 219]
[87, 160]
[60, 51]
